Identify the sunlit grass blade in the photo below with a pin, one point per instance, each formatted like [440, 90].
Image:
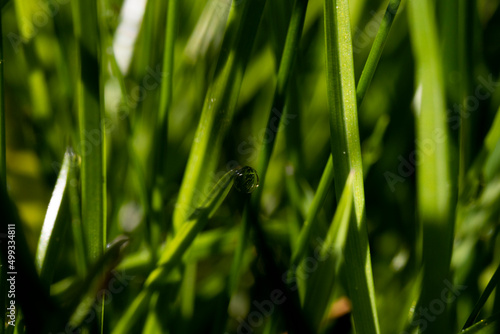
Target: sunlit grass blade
[376, 50]
[219, 106]
[328, 257]
[435, 188]
[54, 227]
[346, 154]
[492, 284]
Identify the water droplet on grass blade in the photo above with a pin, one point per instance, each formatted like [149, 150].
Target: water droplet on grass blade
[246, 180]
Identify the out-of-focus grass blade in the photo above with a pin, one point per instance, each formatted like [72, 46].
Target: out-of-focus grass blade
[346, 154]
[89, 109]
[328, 257]
[54, 227]
[482, 300]
[435, 188]
[376, 50]
[219, 105]
[208, 32]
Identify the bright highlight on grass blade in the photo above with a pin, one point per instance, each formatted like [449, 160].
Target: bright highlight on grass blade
[52, 235]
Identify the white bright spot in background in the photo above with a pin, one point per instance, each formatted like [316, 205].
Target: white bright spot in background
[125, 37]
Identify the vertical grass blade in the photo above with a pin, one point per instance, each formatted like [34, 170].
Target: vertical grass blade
[346, 153]
[362, 87]
[435, 189]
[91, 134]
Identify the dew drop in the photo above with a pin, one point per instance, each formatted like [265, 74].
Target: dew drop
[246, 180]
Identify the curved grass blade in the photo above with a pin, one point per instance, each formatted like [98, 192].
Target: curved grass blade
[54, 227]
[346, 154]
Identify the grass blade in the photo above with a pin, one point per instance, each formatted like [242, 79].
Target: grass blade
[482, 300]
[329, 257]
[480, 325]
[376, 50]
[53, 228]
[435, 189]
[346, 153]
[91, 134]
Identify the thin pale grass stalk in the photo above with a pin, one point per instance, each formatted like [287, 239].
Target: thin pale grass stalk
[346, 155]
[435, 186]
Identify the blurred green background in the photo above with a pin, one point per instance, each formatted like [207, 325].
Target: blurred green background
[41, 75]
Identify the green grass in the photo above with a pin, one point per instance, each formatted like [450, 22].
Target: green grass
[132, 139]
